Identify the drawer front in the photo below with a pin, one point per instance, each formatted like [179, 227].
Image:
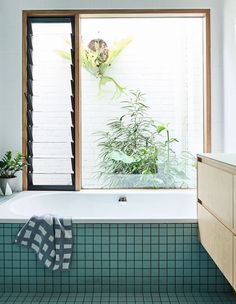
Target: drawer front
[217, 240]
[215, 190]
[235, 204]
[234, 263]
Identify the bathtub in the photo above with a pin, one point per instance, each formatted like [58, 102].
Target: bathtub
[162, 206]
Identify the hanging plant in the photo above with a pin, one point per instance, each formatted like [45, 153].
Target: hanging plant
[97, 59]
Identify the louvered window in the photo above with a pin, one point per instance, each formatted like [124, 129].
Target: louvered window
[50, 103]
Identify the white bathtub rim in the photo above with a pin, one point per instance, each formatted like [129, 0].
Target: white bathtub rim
[9, 218]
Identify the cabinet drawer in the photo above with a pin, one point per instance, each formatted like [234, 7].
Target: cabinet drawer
[235, 205]
[234, 263]
[217, 240]
[215, 190]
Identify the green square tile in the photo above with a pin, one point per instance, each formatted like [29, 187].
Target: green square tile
[147, 248]
[114, 239]
[154, 239]
[105, 255]
[122, 248]
[179, 264]
[121, 231]
[113, 272]
[113, 256]
[138, 256]
[130, 231]
[97, 272]
[88, 247]
[138, 248]
[163, 240]
[146, 264]
[129, 248]
[163, 248]
[122, 239]
[130, 240]
[105, 264]
[113, 264]
[163, 264]
[105, 240]
[122, 256]
[171, 263]
[122, 264]
[89, 271]
[105, 272]
[171, 256]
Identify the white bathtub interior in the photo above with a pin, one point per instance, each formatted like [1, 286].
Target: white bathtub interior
[167, 206]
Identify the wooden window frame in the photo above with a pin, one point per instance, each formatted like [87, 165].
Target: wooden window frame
[203, 13]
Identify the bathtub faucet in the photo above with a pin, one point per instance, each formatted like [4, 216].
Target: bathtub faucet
[122, 200]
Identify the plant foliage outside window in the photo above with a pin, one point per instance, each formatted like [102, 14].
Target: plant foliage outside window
[136, 151]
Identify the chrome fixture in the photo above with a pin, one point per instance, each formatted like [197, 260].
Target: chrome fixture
[122, 199]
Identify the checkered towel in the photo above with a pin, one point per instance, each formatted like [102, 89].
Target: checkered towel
[51, 239]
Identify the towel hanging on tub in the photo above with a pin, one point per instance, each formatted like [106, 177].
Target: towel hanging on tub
[51, 239]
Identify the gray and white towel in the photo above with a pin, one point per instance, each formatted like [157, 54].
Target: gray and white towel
[51, 239]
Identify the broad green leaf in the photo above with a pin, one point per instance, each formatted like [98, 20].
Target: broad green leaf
[121, 156]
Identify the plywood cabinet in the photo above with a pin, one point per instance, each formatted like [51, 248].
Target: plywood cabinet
[217, 211]
[234, 199]
[217, 240]
[234, 278]
[215, 190]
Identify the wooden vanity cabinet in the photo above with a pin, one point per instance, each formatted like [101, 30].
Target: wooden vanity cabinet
[217, 213]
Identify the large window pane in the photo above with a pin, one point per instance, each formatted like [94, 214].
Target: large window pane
[163, 60]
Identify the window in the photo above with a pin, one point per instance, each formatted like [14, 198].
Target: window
[116, 101]
[50, 104]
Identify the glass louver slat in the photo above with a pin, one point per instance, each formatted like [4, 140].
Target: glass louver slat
[52, 179]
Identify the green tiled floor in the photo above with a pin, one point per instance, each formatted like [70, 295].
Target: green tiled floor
[163, 298]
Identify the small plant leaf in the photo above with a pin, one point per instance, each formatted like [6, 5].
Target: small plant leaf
[160, 128]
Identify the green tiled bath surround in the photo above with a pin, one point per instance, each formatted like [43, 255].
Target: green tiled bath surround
[111, 258]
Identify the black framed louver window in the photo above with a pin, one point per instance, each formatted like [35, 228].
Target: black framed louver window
[50, 103]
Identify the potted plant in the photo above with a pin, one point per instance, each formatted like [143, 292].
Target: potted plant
[138, 152]
[9, 166]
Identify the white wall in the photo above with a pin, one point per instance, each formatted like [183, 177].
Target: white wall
[10, 57]
[229, 43]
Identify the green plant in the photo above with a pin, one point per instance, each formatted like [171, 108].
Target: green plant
[136, 145]
[172, 169]
[10, 165]
[97, 59]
